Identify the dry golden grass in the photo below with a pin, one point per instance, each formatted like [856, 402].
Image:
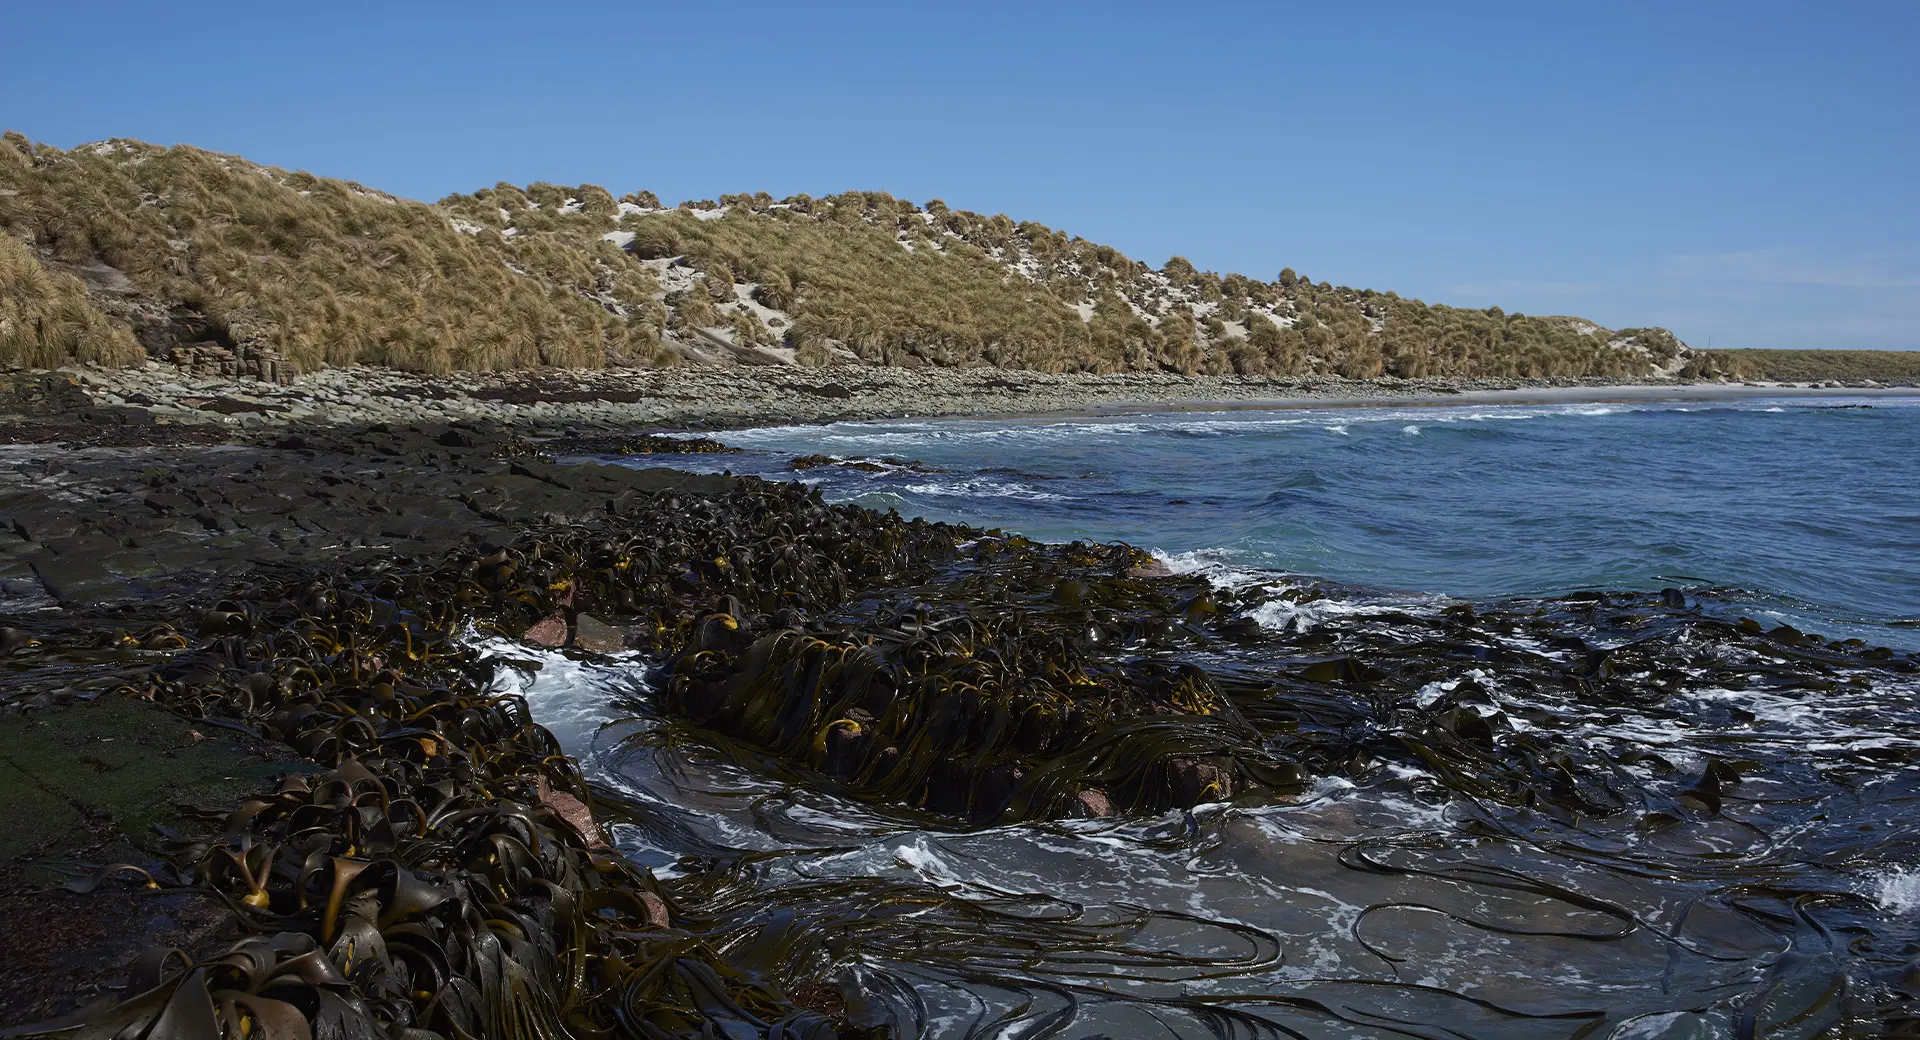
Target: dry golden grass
[330, 273]
[46, 320]
[874, 274]
[1802, 365]
[324, 271]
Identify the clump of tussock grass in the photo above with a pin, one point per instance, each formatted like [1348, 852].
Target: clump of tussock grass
[46, 320]
[328, 272]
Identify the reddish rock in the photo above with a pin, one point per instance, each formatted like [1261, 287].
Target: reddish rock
[657, 916]
[575, 812]
[1094, 803]
[550, 631]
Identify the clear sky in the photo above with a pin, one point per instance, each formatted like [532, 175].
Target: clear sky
[1743, 173]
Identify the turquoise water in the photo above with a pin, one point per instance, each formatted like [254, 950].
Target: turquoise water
[1786, 510]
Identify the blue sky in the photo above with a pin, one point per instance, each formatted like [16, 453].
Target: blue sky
[1743, 173]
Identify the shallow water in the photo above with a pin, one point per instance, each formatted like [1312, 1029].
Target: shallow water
[1387, 903]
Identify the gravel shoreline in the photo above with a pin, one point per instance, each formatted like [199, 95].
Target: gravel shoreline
[719, 398]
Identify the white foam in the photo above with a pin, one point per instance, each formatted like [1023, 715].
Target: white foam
[885, 435]
[1898, 891]
[1429, 695]
[983, 488]
[565, 694]
[1848, 718]
[925, 862]
[1215, 566]
[1649, 1027]
[1282, 615]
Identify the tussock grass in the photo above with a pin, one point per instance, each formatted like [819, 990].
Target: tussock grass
[852, 283]
[331, 273]
[899, 284]
[325, 271]
[1790, 366]
[46, 320]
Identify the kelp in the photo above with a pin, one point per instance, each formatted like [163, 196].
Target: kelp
[440, 879]
[1033, 681]
[636, 444]
[443, 878]
[992, 693]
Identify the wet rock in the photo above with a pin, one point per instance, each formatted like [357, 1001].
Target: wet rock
[591, 633]
[1196, 781]
[576, 813]
[70, 579]
[657, 916]
[234, 406]
[1093, 803]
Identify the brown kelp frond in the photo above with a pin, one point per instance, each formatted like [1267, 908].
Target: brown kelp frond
[999, 688]
[441, 877]
[636, 444]
[1024, 681]
[446, 870]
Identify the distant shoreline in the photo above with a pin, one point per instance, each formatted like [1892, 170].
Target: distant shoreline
[1623, 394]
[706, 399]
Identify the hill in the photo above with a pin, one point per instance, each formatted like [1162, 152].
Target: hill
[120, 251]
[1795, 366]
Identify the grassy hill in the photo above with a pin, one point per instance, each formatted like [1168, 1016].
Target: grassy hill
[118, 251]
[1792, 366]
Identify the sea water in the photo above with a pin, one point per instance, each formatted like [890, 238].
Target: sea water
[1807, 509]
[1384, 905]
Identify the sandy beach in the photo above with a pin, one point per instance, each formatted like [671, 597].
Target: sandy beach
[1564, 394]
[690, 398]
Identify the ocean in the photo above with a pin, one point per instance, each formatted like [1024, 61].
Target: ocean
[1758, 869]
[1798, 509]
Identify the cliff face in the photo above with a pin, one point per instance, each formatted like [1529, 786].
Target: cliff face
[121, 251]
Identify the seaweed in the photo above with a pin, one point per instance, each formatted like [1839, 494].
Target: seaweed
[444, 876]
[636, 444]
[433, 882]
